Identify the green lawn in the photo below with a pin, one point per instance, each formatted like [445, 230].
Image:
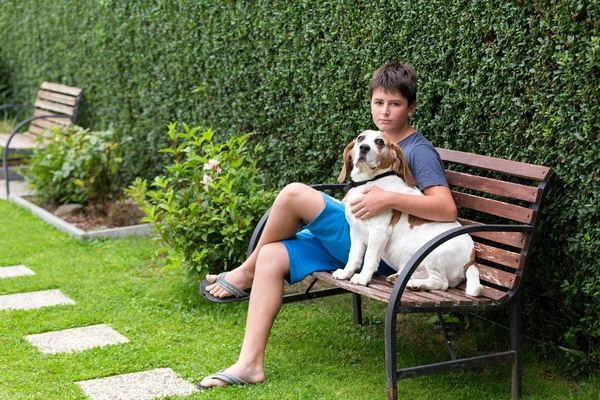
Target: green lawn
[315, 351]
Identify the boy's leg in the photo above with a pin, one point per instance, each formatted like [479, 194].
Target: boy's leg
[295, 204]
[272, 266]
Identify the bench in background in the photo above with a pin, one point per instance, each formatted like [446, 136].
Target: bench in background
[55, 105]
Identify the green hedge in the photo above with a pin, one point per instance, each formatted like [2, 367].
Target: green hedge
[510, 79]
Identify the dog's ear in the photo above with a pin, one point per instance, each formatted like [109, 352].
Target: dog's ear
[347, 162]
[400, 167]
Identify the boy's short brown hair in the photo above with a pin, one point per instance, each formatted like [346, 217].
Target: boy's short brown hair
[396, 77]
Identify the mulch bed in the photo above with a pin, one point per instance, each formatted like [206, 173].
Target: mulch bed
[113, 214]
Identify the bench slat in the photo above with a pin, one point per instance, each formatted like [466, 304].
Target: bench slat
[57, 97]
[514, 239]
[459, 300]
[436, 298]
[494, 207]
[362, 290]
[514, 168]
[497, 296]
[45, 123]
[21, 141]
[497, 276]
[59, 120]
[380, 289]
[380, 283]
[59, 108]
[494, 186]
[498, 256]
[460, 291]
[57, 87]
[36, 130]
[423, 300]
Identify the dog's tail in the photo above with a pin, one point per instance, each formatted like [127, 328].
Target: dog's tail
[474, 287]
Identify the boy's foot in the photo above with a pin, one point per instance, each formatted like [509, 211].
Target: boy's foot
[234, 375]
[238, 278]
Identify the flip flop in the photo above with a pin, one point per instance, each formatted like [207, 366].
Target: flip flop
[237, 294]
[229, 379]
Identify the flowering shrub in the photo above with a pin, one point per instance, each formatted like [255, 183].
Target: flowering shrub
[206, 206]
[76, 166]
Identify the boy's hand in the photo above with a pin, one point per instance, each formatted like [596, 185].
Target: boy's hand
[371, 203]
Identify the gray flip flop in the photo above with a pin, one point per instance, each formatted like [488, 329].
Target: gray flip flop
[237, 294]
[229, 379]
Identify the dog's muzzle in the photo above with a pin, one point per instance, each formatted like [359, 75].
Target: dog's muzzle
[363, 151]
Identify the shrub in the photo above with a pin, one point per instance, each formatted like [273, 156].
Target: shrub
[206, 207]
[75, 166]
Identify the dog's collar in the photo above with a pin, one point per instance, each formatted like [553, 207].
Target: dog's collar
[353, 184]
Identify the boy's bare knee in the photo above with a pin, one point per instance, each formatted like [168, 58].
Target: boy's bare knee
[291, 194]
[273, 258]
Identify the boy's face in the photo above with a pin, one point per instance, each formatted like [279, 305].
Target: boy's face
[391, 112]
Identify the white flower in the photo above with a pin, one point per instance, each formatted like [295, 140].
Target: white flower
[212, 164]
[206, 179]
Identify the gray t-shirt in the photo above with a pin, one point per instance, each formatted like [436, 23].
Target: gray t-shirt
[424, 161]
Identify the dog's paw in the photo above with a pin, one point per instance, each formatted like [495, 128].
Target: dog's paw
[392, 278]
[358, 279]
[412, 285]
[340, 274]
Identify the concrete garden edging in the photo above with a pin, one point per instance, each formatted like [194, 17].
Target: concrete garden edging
[111, 233]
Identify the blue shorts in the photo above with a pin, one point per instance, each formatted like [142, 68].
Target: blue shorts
[323, 245]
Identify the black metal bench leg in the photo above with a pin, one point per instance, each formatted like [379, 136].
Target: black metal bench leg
[357, 306]
[391, 374]
[515, 339]
[445, 333]
[5, 167]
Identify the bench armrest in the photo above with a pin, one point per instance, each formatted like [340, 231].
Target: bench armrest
[434, 243]
[328, 186]
[8, 106]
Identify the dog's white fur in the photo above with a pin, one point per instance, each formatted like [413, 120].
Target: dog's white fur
[397, 240]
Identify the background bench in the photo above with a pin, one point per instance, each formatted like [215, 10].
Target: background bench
[55, 105]
[499, 203]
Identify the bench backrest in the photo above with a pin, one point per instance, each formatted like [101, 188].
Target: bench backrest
[52, 99]
[488, 189]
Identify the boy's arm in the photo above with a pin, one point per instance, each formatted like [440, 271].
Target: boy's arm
[436, 205]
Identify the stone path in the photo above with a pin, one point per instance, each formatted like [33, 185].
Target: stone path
[31, 300]
[144, 385]
[17, 270]
[76, 339]
[138, 386]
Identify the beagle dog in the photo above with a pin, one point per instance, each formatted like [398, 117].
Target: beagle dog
[375, 159]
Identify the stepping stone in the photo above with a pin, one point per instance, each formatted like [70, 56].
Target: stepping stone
[17, 270]
[31, 300]
[146, 385]
[76, 339]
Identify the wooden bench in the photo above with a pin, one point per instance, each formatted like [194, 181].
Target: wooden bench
[499, 204]
[55, 105]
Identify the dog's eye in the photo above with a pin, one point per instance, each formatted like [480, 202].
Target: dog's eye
[379, 142]
[360, 139]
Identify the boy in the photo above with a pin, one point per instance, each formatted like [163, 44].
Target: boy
[283, 253]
